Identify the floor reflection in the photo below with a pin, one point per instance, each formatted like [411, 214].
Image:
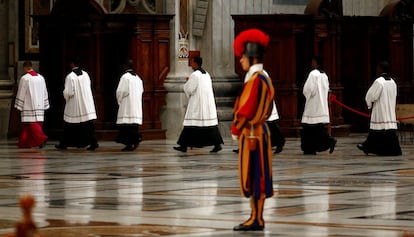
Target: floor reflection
[156, 191]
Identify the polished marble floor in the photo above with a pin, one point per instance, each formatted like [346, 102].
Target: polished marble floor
[157, 191]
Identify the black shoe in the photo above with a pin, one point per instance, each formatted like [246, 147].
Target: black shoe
[135, 146]
[332, 147]
[278, 149]
[130, 147]
[180, 148]
[42, 145]
[236, 150]
[60, 147]
[92, 147]
[127, 148]
[216, 149]
[362, 148]
[253, 227]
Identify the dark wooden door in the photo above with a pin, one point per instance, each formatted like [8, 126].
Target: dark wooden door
[103, 42]
[351, 48]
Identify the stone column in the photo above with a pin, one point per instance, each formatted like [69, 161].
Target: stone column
[215, 43]
[216, 47]
[216, 50]
[6, 84]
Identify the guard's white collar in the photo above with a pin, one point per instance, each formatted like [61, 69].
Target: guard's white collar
[252, 70]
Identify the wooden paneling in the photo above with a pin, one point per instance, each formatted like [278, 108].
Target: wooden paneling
[104, 42]
[286, 59]
[351, 48]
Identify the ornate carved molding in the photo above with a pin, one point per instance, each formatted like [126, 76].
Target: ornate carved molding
[149, 5]
[327, 8]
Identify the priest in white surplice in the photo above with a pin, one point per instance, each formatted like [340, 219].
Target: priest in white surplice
[32, 101]
[382, 98]
[79, 113]
[276, 137]
[129, 97]
[315, 118]
[200, 121]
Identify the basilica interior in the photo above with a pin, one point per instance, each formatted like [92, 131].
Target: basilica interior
[160, 35]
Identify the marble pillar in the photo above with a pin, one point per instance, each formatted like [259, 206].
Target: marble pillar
[6, 84]
[215, 46]
[173, 112]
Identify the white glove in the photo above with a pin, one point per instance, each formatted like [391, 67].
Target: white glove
[234, 137]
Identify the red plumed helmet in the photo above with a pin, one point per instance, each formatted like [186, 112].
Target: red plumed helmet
[250, 42]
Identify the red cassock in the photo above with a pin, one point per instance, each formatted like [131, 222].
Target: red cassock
[31, 135]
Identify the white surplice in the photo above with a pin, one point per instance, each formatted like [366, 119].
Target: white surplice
[316, 91]
[32, 98]
[382, 98]
[129, 96]
[274, 115]
[201, 108]
[80, 106]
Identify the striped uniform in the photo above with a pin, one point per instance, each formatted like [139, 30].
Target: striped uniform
[251, 110]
